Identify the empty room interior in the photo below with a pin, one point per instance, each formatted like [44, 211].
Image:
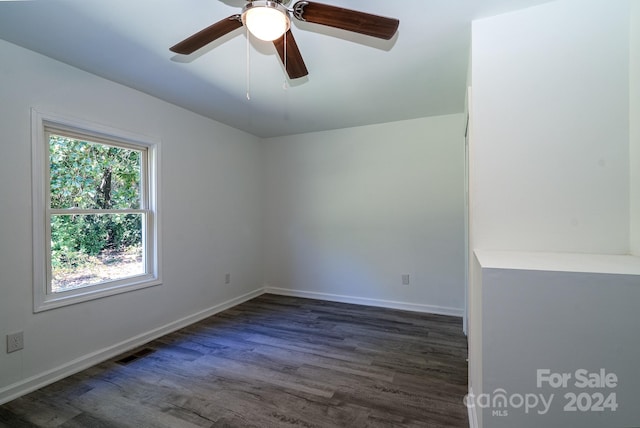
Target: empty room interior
[389, 214]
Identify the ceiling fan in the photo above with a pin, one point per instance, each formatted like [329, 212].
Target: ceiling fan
[270, 20]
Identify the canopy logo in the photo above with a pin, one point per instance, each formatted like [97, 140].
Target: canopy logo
[589, 392]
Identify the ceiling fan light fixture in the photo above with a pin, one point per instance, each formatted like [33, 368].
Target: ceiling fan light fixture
[267, 20]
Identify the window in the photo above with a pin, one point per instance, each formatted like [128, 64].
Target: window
[95, 211]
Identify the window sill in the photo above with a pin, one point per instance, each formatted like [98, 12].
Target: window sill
[57, 300]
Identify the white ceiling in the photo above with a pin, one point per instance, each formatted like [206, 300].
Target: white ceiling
[353, 79]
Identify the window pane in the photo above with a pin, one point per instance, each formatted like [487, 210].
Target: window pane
[89, 175]
[94, 248]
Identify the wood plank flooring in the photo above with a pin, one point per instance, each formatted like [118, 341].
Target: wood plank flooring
[274, 361]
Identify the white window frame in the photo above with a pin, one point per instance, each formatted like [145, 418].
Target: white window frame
[43, 298]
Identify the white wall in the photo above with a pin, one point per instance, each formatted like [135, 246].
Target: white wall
[549, 171]
[348, 211]
[211, 217]
[634, 125]
[550, 113]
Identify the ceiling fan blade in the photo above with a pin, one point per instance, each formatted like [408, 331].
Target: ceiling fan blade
[293, 61]
[208, 35]
[346, 19]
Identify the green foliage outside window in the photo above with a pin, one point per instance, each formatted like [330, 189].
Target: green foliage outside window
[92, 176]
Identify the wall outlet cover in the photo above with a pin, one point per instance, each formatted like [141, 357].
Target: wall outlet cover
[15, 342]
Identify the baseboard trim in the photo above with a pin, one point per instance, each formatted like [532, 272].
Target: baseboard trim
[40, 380]
[472, 411]
[415, 307]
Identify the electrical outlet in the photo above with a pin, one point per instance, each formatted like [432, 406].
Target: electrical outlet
[227, 278]
[15, 342]
[405, 279]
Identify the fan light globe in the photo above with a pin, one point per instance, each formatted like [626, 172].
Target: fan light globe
[267, 20]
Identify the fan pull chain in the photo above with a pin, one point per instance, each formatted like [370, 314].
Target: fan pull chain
[284, 83]
[248, 66]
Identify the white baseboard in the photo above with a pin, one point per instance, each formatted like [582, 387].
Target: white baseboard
[472, 411]
[40, 380]
[415, 307]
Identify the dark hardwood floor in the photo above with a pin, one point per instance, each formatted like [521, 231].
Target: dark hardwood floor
[271, 362]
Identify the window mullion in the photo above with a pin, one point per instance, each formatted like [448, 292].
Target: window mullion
[77, 211]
